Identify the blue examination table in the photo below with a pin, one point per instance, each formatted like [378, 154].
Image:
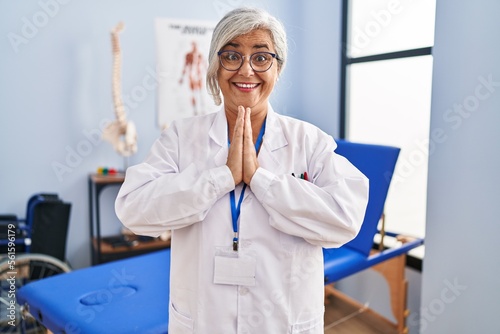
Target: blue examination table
[125, 296]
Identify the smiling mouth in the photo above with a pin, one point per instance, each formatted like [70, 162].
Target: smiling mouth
[246, 85]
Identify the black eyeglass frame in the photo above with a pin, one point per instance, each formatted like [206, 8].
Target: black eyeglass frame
[274, 55]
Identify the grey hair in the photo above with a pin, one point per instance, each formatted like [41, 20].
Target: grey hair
[238, 22]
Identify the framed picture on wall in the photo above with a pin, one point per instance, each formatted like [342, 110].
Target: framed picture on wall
[182, 59]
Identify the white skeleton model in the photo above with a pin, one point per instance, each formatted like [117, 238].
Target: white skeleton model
[120, 133]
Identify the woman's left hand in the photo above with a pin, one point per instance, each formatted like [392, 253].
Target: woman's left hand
[250, 162]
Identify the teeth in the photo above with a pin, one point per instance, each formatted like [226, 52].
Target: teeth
[246, 85]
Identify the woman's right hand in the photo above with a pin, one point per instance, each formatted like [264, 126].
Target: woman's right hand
[235, 154]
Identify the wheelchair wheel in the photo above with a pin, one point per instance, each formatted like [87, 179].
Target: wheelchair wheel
[14, 274]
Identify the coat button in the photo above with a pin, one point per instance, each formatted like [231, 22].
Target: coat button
[243, 290]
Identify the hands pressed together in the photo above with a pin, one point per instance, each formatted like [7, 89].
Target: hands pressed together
[242, 156]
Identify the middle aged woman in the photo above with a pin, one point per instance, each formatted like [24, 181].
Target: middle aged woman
[251, 196]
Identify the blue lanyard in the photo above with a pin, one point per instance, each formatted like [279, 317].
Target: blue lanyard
[235, 210]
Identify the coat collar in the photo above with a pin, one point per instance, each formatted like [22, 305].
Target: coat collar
[274, 138]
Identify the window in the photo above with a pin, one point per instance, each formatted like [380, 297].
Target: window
[386, 95]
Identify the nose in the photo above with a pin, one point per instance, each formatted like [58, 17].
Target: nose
[246, 69]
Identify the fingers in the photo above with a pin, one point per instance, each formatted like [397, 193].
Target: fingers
[239, 128]
[248, 135]
[250, 162]
[235, 154]
[242, 157]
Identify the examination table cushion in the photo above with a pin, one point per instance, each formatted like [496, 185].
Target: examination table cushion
[125, 296]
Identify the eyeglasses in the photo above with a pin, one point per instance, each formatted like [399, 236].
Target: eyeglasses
[259, 61]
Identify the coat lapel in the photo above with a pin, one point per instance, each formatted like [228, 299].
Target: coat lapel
[274, 139]
[218, 134]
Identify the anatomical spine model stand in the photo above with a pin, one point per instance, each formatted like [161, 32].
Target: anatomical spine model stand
[120, 133]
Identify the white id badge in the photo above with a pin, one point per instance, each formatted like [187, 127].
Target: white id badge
[234, 270]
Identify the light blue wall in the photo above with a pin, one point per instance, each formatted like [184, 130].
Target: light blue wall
[55, 89]
[460, 292]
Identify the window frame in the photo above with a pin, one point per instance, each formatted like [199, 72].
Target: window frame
[345, 62]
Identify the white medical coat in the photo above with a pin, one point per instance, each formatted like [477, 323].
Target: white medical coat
[183, 185]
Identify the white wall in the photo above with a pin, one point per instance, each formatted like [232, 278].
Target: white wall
[55, 90]
[460, 276]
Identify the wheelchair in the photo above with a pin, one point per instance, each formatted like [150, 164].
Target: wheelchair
[32, 248]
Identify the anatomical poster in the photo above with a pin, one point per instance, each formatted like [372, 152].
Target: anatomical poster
[182, 62]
